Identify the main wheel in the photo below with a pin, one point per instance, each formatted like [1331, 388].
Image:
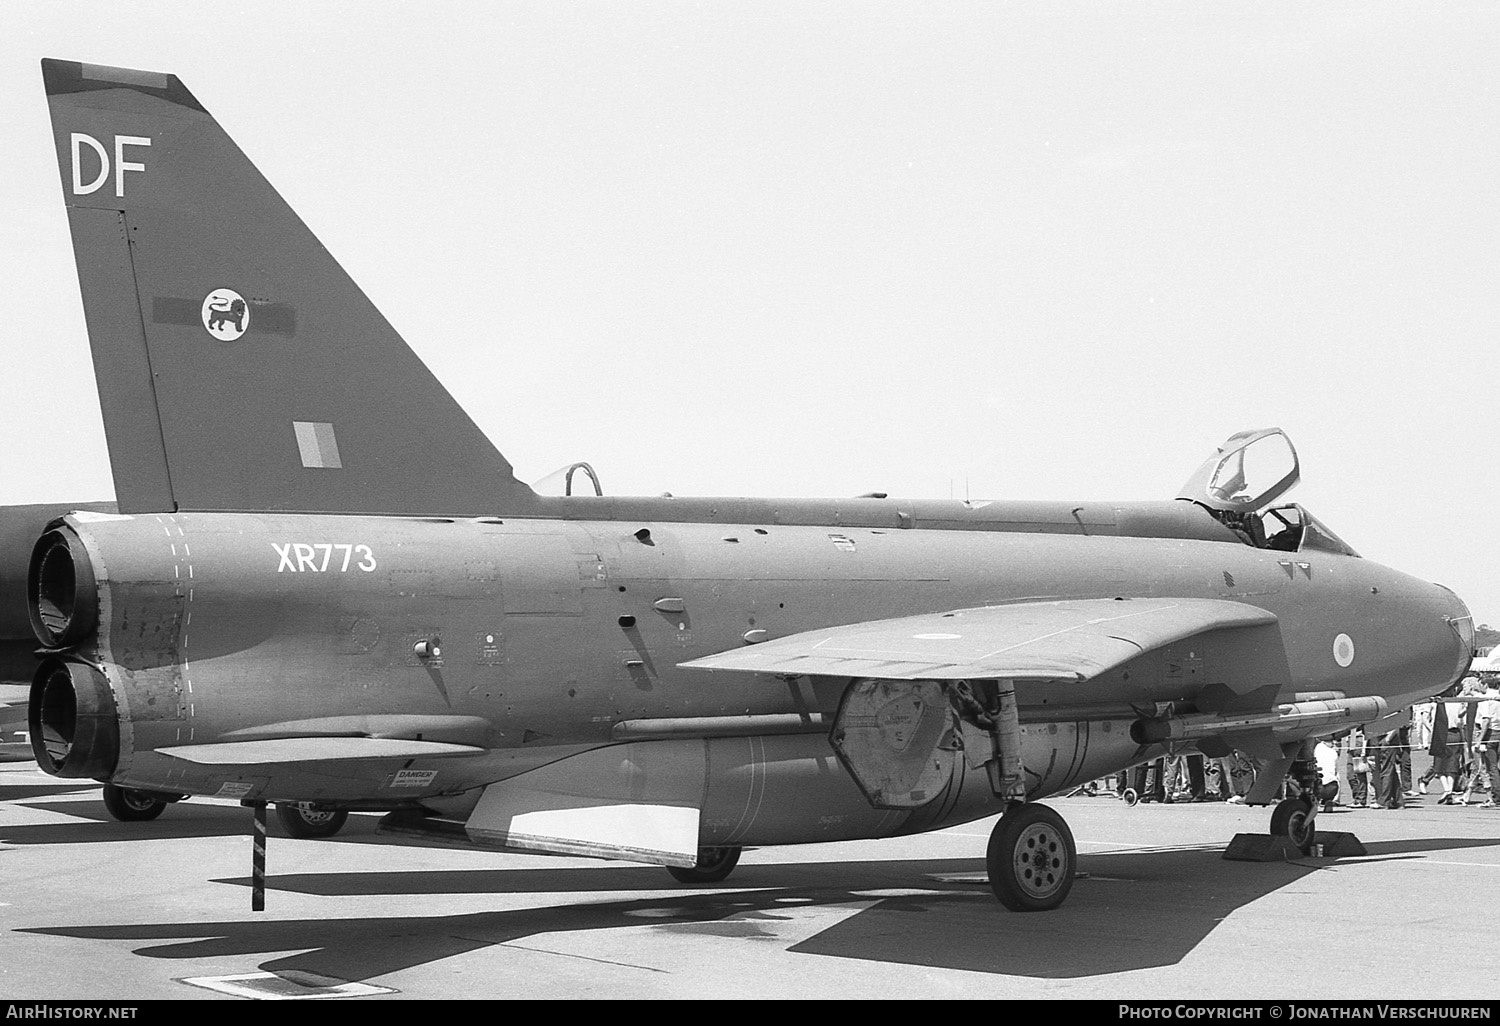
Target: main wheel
[1031, 859]
[1293, 819]
[304, 820]
[131, 806]
[714, 864]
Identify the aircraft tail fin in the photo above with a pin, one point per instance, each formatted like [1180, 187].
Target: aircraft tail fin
[239, 367]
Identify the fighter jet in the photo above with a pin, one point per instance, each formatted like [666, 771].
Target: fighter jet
[324, 589]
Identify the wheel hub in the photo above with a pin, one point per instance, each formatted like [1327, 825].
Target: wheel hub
[1039, 858]
[315, 817]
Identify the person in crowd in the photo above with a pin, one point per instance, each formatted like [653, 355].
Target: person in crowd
[1389, 793]
[1147, 780]
[1241, 776]
[1421, 724]
[1216, 779]
[1456, 766]
[1197, 778]
[1486, 738]
[1361, 780]
[1471, 774]
[1447, 742]
[1421, 731]
[1403, 762]
[1327, 757]
[1175, 785]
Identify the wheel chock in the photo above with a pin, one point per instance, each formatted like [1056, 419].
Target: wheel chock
[1328, 844]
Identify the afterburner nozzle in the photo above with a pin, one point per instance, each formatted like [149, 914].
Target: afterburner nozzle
[75, 731]
[61, 594]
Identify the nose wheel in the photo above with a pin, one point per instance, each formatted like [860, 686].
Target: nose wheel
[1031, 859]
[1294, 820]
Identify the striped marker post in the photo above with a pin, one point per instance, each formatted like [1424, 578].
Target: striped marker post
[258, 861]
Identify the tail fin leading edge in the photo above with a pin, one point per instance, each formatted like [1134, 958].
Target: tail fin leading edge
[239, 367]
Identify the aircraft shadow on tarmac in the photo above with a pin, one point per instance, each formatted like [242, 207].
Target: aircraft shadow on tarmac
[89, 822]
[1160, 904]
[19, 792]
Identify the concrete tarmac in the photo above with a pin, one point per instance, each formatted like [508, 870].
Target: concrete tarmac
[96, 909]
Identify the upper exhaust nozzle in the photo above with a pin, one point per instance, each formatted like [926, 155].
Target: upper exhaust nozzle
[62, 596]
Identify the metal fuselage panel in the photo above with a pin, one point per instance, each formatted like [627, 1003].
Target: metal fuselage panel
[219, 627]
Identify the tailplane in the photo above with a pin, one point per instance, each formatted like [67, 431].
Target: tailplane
[239, 367]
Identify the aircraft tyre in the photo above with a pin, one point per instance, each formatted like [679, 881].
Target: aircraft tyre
[1131, 798]
[714, 864]
[1293, 819]
[300, 819]
[130, 806]
[1031, 858]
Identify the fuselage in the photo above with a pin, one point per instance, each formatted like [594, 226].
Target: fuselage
[546, 637]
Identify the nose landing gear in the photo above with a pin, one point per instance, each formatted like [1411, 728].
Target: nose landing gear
[1293, 819]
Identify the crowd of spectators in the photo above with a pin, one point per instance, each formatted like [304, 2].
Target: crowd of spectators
[1460, 732]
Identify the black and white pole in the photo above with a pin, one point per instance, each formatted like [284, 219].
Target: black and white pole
[258, 861]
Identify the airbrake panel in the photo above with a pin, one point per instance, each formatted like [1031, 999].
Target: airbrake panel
[639, 801]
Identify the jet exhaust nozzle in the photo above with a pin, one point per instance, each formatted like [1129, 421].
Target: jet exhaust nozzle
[62, 596]
[75, 731]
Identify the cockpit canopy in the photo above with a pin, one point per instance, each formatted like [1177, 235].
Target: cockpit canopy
[1248, 472]
[560, 481]
[1238, 483]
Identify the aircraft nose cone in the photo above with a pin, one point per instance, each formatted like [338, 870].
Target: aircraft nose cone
[1457, 616]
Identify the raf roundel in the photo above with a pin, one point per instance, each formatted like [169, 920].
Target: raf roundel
[1343, 650]
[226, 315]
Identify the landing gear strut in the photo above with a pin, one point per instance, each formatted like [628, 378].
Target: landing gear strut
[714, 864]
[1031, 858]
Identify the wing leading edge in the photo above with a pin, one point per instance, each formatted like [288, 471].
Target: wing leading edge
[1059, 641]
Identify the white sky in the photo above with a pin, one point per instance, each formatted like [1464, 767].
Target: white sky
[1032, 250]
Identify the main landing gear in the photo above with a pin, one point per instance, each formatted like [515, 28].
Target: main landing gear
[131, 806]
[1031, 858]
[299, 819]
[714, 864]
[302, 819]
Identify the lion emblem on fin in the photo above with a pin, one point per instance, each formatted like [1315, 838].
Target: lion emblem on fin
[226, 315]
